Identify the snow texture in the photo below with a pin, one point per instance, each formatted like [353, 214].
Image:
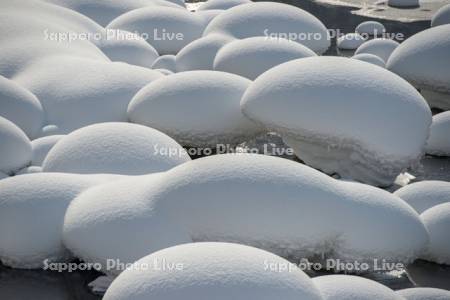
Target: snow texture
[439, 141]
[41, 147]
[379, 47]
[437, 222]
[370, 58]
[370, 28]
[167, 62]
[350, 41]
[441, 17]
[423, 293]
[221, 4]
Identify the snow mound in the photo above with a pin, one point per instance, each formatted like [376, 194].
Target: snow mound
[370, 28]
[424, 60]
[15, 147]
[437, 221]
[439, 140]
[253, 56]
[209, 102]
[32, 209]
[221, 4]
[21, 107]
[167, 62]
[347, 287]
[100, 92]
[274, 20]
[366, 139]
[128, 47]
[208, 15]
[168, 29]
[370, 58]
[403, 3]
[441, 17]
[41, 147]
[350, 41]
[214, 199]
[379, 47]
[425, 194]
[424, 294]
[117, 148]
[200, 275]
[200, 54]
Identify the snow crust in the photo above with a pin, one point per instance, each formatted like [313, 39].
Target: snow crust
[41, 147]
[423, 293]
[221, 4]
[439, 141]
[167, 62]
[370, 28]
[15, 147]
[350, 41]
[437, 222]
[441, 17]
[370, 58]
[379, 47]
[370, 138]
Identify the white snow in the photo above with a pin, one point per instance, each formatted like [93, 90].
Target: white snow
[212, 271]
[15, 147]
[274, 20]
[41, 147]
[196, 108]
[424, 60]
[21, 107]
[350, 41]
[168, 29]
[437, 222]
[379, 47]
[116, 148]
[439, 141]
[3, 175]
[253, 56]
[342, 116]
[370, 58]
[425, 194]
[348, 287]
[424, 293]
[29, 170]
[208, 15]
[442, 16]
[371, 28]
[300, 213]
[167, 62]
[404, 3]
[221, 4]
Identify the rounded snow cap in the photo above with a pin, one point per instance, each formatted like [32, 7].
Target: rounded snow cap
[197, 272]
[439, 141]
[274, 20]
[42, 146]
[370, 58]
[166, 62]
[437, 221]
[350, 41]
[379, 47]
[222, 4]
[117, 148]
[441, 17]
[424, 294]
[370, 28]
[363, 139]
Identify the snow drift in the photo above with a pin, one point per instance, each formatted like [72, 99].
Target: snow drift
[439, 141]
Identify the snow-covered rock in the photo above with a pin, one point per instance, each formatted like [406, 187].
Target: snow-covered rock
[200, 54]
[423, 293]
[439, 141]
[32, 209]
[363, 138]
[214, 199]
[15, 147]
[370, 58]
[425, 194]
[379, 47]
[370, 28]
[253, 56]
[424, 60]
[221, 4]
[271, 19]
[212, 271]
[437, 222]
[167, 29]
[117, 148]
[208, 101]
[167, 62]
[403, 3]
[350, 41]
[21, 107]
[348, 287]
[442, 16]
[41, 147]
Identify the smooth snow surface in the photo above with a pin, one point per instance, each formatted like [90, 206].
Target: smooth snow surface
[116, 148]
[253, 56]
[350, 41]
[221, 4]
[370, 28]
[425, 194]
[439, 141]
[347, 287]
[378, 126]
[370, 58]
[167, 62]
[442, 16]
[423, 293]
[437, 222]
[41, 147]
[271, 19]
[196, 108]
[379, 47]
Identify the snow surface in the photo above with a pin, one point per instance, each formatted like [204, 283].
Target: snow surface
[350, 41]
[439, 141]
[378, 126]
[348, 287]
[253, 56]
[221, 4]
[370, 58]
[167, 62]
[15, 147]
[437, 222]
[274, 20]
[196, 108]
[41, 147]
[29, 170]
[208, 15]
[370, 28]
[162, 24]
[441, 17]
[425, 194]
[116, 148]
[301, 213]
[3, 175]
[423, 293]
[21, 107]
[403, 3]
[379, 47]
